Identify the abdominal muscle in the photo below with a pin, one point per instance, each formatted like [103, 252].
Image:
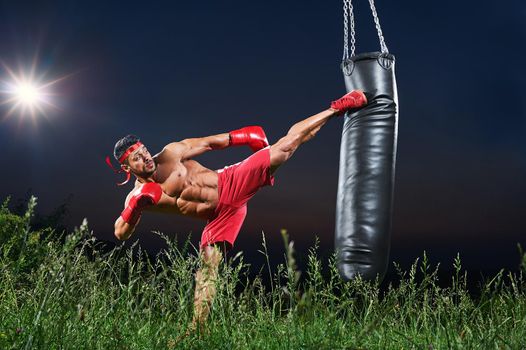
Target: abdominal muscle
[191, 190]
[197, 201]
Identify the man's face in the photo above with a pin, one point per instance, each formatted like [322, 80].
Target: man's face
[141, 163]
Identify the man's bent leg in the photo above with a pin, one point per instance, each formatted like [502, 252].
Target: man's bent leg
[205, 284]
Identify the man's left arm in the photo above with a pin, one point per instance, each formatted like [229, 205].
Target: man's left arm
[252, 136]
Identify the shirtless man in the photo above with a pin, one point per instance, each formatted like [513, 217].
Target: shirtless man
[172, 182]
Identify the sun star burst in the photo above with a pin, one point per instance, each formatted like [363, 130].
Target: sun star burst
[27, 93]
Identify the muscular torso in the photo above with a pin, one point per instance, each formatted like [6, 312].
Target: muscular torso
[188, 187]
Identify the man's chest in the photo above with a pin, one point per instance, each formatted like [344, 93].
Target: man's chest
[172, 178]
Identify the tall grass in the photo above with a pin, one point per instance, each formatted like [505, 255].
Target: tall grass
[63, 292]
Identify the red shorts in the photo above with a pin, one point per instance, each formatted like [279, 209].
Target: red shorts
[236, 185]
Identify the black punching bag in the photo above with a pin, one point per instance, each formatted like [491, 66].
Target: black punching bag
[367, 168]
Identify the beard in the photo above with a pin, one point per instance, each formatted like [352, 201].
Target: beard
[146, 172]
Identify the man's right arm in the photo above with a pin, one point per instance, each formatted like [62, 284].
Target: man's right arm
[124, 230]
[144, 196]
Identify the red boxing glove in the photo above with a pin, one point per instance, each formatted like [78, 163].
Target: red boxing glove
[253, 136]
[148, 194]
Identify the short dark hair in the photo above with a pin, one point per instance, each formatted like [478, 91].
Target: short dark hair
[123, 144]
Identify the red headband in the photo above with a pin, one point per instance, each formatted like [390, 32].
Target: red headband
[122, 159]
[129, 150]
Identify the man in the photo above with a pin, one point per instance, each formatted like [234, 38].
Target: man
[172, 182]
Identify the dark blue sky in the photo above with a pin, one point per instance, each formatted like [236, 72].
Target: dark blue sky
[173, 70]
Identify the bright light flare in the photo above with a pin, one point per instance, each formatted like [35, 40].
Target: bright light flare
[27, 93]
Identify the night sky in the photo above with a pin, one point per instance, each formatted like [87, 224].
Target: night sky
[172, 70]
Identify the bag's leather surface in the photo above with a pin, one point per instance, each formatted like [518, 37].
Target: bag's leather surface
[367, 168]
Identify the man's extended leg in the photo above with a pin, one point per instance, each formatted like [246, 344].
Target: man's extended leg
[306, 129]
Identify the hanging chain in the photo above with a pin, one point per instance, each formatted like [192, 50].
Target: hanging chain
[345, 30]
[353, 33]
[348, 21]
[383, 47]
[348, 16]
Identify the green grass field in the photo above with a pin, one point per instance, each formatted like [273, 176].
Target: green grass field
[62, 292]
